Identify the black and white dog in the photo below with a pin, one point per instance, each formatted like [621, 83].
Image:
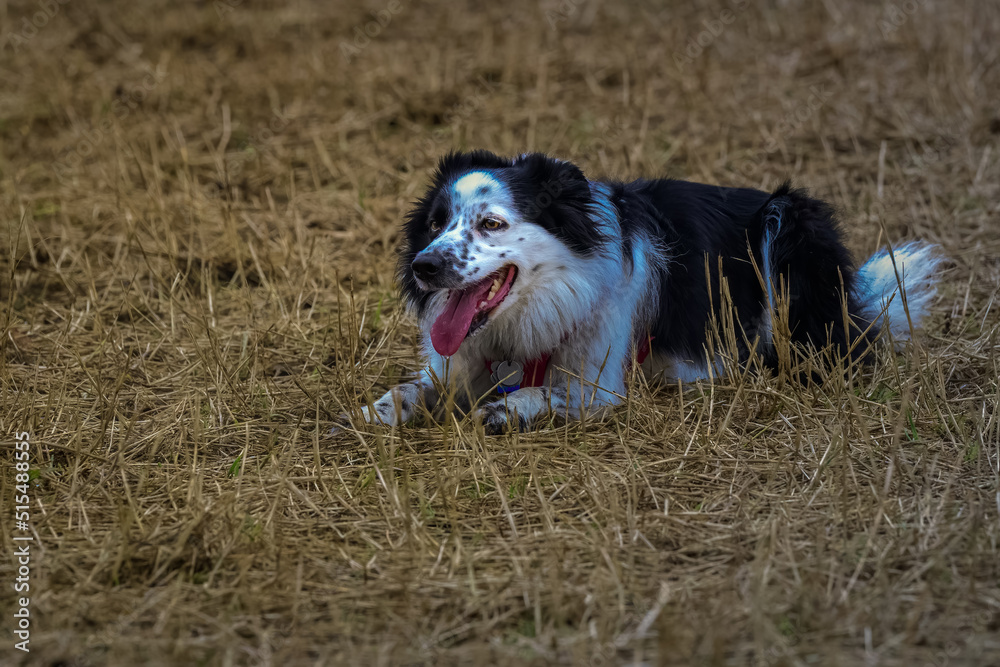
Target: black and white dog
[535, 288]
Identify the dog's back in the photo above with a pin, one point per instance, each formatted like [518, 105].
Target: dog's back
[784, 266]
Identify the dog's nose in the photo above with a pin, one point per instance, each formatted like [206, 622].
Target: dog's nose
[426, 267]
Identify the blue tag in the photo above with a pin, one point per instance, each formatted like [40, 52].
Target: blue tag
[507, 375]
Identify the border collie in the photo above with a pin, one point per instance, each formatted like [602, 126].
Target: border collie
[536, 289]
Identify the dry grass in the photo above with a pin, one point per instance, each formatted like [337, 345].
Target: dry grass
[190, 297]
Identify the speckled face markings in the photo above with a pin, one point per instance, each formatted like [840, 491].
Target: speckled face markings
[472, 197]
[469, 250]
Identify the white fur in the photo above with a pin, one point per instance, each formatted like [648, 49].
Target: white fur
[914, 265]
[467, 187]
[574, 307]
[772, 217]
[469, 205]
[562, 303]
[588, 310]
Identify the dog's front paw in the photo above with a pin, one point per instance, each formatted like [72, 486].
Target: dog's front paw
[497, 419]
[379, 416]
[345, 421]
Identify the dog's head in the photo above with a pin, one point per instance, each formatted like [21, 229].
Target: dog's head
[489, 234]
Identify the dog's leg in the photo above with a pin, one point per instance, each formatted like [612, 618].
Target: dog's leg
[399, 404]
[460, 376]
[515, 410]
[571, 399]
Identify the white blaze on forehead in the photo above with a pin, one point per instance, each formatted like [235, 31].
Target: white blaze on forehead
[479, 192]
[468, 186]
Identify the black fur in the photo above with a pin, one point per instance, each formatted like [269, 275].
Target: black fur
[702, 228]
[434, 206]
[552, 194]
[524, 260]
[555, 195]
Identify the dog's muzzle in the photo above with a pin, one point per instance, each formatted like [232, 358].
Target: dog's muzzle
[436, 269]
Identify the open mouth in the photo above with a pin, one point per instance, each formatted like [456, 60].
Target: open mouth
[468, 310]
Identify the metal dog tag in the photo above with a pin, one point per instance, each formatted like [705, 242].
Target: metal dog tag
[507, 375]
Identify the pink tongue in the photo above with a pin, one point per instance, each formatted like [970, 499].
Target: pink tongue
[452, 325]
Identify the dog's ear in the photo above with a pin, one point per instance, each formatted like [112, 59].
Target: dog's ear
[555, 194]
[416, 236]
[542, 167]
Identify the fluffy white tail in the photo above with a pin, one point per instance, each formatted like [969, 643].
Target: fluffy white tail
[914, 266]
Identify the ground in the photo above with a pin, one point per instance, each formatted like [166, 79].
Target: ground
[200, 205]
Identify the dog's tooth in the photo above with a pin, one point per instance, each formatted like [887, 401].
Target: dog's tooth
[494, 289]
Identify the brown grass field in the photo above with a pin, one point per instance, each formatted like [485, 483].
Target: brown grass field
[200, 207]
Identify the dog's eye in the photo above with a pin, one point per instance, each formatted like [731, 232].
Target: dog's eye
[493, 223]
[435, 225]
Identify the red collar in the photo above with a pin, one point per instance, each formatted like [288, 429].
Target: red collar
[535, 369]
